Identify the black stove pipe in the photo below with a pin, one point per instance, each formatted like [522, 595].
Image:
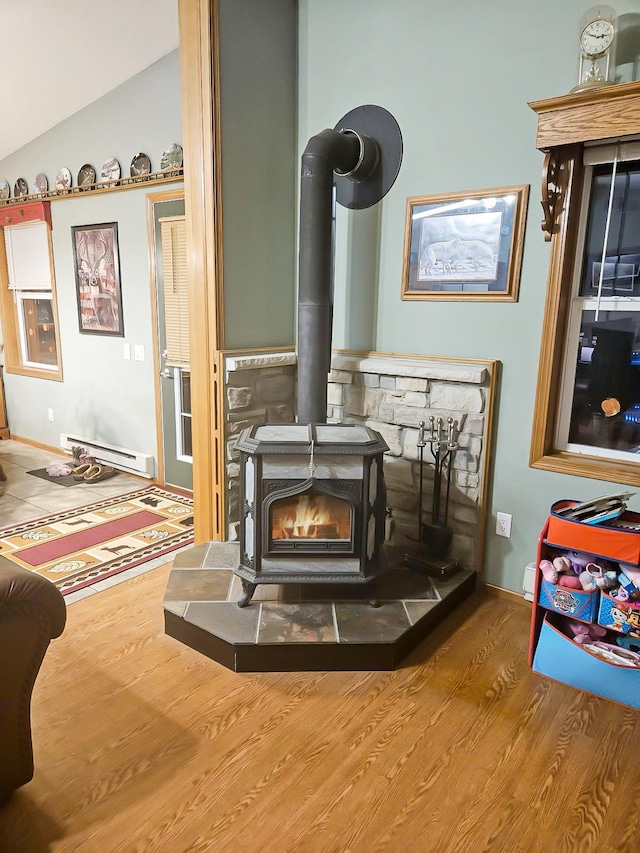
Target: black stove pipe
[325, 153]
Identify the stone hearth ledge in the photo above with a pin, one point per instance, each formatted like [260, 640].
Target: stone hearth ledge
[303, 627]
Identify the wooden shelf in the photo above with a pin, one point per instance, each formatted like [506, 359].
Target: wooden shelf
[127, 183]
[601, 113]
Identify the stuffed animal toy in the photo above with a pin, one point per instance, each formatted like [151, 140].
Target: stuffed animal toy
[629, 580]
[633, 573]
[582, 632]
[594, 577]
[577, 570]
[549, 571]
[552, 570]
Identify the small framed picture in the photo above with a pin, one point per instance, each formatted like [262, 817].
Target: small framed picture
[465, 245]
[97, 270]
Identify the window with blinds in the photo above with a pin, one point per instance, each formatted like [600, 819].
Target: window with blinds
[28, 260]
[599, 412]
[176, 296]
[27, 296]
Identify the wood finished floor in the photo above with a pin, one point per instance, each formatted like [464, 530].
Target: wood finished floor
[143, 745]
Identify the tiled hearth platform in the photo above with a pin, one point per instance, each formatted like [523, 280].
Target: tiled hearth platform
[303, 627]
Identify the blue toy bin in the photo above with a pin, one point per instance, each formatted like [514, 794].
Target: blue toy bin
[619, 616]
[576, 603]
[560, 658]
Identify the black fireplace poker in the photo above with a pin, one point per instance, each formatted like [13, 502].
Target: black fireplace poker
[434, 538]
[361, 156]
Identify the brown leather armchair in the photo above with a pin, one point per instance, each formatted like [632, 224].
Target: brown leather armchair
[32, 613]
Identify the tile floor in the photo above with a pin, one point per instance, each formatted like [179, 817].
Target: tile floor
[24, 497]
[201, 610]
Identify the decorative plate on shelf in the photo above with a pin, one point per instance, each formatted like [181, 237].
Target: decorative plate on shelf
[171, 158]
[5, 189]
[21, 188]
[63, 179]
[140, 165]
[86, 175]
[40, 183]
[110, 170]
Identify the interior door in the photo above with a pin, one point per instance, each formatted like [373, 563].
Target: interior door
[174, 417]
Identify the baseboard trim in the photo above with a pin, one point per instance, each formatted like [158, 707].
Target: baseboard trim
[60, 452]
[57, 450]
[505, 594]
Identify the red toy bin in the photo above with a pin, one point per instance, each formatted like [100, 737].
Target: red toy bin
[619, 542]
[576, 603]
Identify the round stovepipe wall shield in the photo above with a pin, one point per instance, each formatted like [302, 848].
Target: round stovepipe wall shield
[379, 161]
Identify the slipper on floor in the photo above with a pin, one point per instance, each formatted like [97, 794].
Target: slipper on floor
[98, 472]
[81, 470]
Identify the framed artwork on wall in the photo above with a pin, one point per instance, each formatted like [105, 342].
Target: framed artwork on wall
[465, 245]
[97, 270]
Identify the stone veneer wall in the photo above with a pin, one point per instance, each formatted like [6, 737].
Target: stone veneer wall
[390, 394]
[259, 388]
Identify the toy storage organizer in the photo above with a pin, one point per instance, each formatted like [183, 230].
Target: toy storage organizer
[552, 652]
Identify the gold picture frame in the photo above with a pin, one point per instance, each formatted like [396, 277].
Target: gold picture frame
[465, 245]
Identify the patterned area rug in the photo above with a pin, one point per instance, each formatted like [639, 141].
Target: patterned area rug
[81, 546]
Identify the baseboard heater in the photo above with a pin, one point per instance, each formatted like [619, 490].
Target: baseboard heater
[124, 460]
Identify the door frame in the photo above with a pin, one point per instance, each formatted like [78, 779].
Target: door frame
[152, 199]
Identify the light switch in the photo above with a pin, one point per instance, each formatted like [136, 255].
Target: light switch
[138, 352]
[127, 351]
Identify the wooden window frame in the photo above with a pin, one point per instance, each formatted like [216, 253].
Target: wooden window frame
[14, 362]
[565, 124]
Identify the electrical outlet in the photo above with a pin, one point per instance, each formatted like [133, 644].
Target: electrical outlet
[50, 413]
[138, 352]
[503, 524]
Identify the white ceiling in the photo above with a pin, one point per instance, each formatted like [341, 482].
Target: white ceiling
[58, 56]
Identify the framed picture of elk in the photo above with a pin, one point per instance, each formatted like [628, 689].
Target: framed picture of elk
[97, 270]
[465, 245]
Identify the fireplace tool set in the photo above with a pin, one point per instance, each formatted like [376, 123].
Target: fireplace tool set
[434, 538]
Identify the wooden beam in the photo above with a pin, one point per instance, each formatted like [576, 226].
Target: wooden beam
[203, 207]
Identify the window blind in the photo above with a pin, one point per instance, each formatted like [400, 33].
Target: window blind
[28, 260]
[176, 296]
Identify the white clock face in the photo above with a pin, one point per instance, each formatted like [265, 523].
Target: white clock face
[596, 37]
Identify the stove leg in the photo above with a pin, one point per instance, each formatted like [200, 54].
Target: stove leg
[248, 589]
[373, 601]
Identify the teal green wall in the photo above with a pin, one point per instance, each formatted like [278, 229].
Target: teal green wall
[258, 68]
[103, 396]
[457, 76]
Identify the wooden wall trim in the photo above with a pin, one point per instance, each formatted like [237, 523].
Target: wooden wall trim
[200, 86]
[556, 307]
[586, 116]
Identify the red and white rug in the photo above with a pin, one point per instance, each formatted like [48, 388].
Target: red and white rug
[79, 547]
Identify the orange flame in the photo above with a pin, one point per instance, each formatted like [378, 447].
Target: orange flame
[310, 513]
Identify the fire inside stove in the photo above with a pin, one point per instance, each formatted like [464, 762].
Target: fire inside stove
[313, 521]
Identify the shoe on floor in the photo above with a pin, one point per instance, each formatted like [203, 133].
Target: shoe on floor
[81, 470]
[96, 473]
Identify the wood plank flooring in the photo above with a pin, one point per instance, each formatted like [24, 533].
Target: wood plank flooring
[141, 744]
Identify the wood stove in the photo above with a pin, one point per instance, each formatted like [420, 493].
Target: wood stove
[313, 504]
[312, 494]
